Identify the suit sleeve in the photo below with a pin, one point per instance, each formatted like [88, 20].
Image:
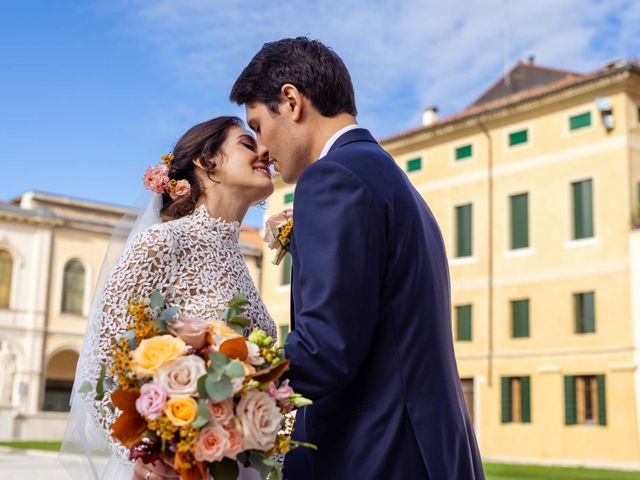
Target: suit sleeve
[339, 241]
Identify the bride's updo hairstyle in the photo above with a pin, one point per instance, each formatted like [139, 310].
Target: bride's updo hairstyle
[203, 142]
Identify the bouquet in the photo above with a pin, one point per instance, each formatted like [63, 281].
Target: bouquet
[277, 233]
[197, 394]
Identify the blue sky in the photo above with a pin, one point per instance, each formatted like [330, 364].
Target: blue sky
[93, 91]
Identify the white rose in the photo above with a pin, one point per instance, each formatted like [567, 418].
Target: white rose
[254, 357]
[260, 420]
[180, 377]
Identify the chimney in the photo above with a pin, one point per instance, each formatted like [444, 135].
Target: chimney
[429, 116]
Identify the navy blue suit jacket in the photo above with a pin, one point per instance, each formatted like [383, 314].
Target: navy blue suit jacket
[372, 344]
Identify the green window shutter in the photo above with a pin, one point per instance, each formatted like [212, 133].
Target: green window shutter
[506, 399]
[285, 278]
[283, 333]
[570, 400]
[73, 287]
[519, 137]
[582, 209]
[464, 230]
[526, 399]
[519, 221]
[602, 403]
[520, 318]
[585, 315]
[464, 323]
[6, 271]
[288, 197]
[580, 121]
[464, 152]
[414, 165]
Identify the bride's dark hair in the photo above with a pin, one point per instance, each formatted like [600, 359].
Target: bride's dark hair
[203, 142]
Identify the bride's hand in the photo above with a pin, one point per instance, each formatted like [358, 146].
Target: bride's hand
[159, 470]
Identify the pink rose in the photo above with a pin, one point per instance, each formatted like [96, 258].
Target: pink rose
[156, 178]
[281, 394]
[192, 330]
[236, 442]
[180, 376]
[151, 400]
[182, 189]
[212, 443]
[275, 222]
[222, 412]
[260, 420]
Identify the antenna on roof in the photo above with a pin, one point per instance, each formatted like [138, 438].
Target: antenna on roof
[507, 21]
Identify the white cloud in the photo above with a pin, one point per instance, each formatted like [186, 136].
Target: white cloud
[402, 54]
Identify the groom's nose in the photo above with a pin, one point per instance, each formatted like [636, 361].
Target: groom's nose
[263, 153]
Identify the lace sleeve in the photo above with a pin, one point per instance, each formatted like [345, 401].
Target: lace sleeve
[147, 265]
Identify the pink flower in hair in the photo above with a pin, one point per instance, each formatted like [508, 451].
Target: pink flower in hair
[156, 178]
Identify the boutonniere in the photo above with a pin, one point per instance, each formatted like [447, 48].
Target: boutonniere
[277, 233]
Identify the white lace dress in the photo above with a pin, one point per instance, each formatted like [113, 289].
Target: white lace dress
[195, 262]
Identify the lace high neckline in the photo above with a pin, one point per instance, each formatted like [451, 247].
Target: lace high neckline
[225, 229]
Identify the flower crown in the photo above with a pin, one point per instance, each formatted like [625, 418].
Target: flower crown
[157, 180]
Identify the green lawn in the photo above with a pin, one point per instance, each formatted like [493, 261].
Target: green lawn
[37, 445]
[496, 471]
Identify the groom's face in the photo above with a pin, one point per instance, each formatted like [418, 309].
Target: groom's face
[277, 133]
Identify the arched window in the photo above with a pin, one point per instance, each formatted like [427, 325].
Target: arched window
[73, 287]
[59, 376]
[6, 269]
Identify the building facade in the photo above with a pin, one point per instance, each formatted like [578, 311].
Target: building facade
[51, 251]
[536, 187]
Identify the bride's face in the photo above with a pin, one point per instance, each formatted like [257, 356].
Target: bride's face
[243, 167]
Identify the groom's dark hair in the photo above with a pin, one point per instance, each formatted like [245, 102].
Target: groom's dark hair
[315, 70]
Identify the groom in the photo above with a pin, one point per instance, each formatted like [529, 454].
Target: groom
[372, 343]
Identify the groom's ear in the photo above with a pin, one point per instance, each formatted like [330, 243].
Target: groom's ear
[291, 101]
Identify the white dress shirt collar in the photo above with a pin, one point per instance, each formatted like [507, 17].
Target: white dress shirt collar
[336, 136]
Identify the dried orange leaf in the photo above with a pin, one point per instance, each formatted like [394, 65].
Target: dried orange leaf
[235, 348]
[272, 373]
[130, 426]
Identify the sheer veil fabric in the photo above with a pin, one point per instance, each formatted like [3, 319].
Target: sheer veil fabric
[85, 451]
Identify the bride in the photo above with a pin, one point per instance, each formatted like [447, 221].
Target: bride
[192, 257]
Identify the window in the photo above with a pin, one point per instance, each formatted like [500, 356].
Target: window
[464, 152]
[585, 315]
[414, 165]
[582, 209]
[516, 399]
[463, 323]
[464, 230]
[73, 287]
[584, 400]
[6, 271]
[519, 137]
[580, 121]
[283, 332]
[519, 206]
[520, 318]
[288, 197]
[285, 275]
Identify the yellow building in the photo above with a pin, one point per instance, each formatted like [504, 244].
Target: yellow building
[536, 187]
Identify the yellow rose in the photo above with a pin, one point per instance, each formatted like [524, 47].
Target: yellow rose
[219, 332]
[153, 353]
[181, 411]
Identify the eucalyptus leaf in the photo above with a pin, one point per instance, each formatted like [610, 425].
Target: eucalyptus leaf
[86, 387]
[226, 469]
[217, 361]
[218, 391]
[234, 369]
[156, 300]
